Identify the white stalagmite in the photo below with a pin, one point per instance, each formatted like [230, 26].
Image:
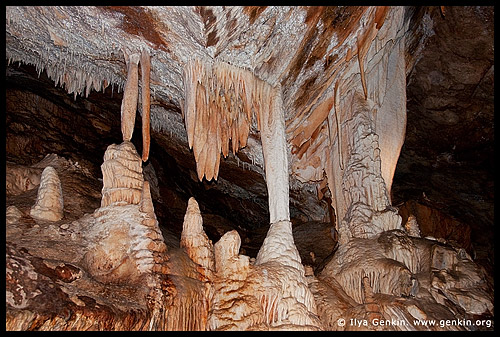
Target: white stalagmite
[49, 203]
[228, 262]
[127, 246]
[130, 95]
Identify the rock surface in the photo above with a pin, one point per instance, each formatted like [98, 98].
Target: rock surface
[308, 106]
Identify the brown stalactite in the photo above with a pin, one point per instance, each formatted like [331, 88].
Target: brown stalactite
[361, 63]
[219, 102]
[130, 95]
[337, 122]
[109, 267]
[146, 101]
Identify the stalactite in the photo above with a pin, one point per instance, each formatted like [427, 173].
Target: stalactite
[275, 157]
[443, 10]
[211, 150]
[221, 93]
[200, 125]
[146, 100]
[367, 290]
[337, 120]
[363, 42]
[361, 56]
[130, 95]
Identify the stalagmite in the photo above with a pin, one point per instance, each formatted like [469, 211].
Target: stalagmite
[12, 215]
[127, 245]
[412, 227]
[49, 202]
[146, 204]
[122, 175]
[146, 99]
[228, 262]
[110, 259]
[279, 246]
[194, 240]
[130, 95]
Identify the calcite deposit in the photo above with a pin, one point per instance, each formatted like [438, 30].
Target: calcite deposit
[262, 199]
[49, 202]
[130, 95]
[122, 175]
[194, 240]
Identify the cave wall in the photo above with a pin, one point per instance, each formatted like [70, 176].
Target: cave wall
[265, 275]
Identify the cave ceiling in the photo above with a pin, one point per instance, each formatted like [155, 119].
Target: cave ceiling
[447, 157]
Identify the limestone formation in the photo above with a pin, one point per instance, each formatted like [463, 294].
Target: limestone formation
[312, 101]
[272, 126]
[13, 214]
[228, 261]
[146, 101]
[128, 244]
[19, 179]
[276, 296]
[122, 175]
[398, 265]
[412, 227]
[146, 204]
[130, 95]
[194, 240]
[221, 100]
[49, 202]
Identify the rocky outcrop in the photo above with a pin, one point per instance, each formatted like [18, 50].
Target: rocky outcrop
[19, 179]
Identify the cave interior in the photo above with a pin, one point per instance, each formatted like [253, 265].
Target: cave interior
[311, 72]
